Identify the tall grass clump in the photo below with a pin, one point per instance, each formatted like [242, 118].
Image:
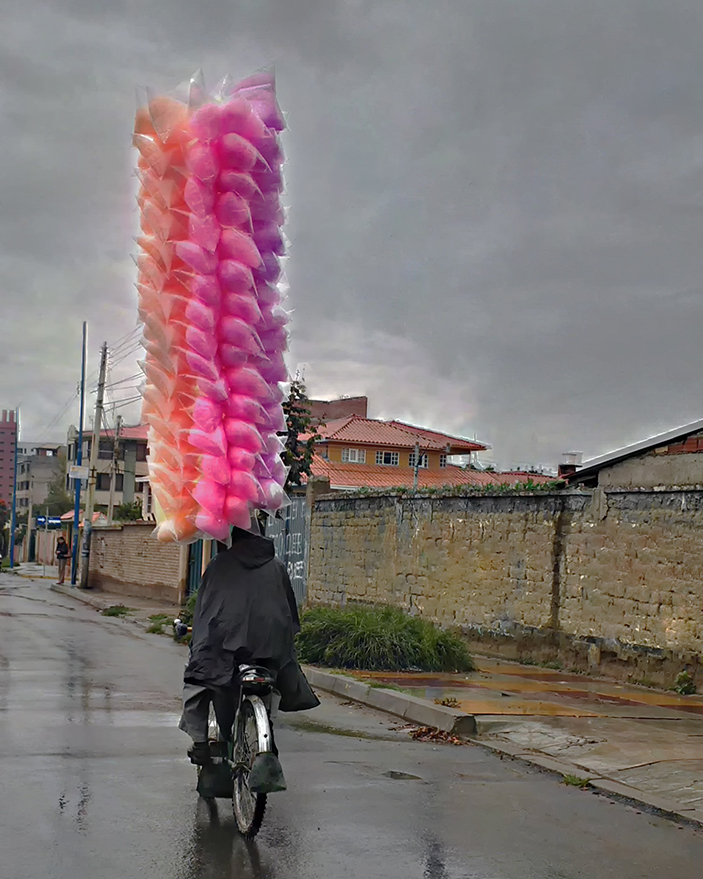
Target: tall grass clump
[378, 639]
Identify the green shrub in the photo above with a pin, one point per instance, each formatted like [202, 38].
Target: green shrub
[378, 639]
[684, 684]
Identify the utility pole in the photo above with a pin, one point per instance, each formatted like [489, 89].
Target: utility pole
[46, 539]
[13, 525]
[93, 476]
[113, 469]
[416, 475]
[79, 461]
[30, 523]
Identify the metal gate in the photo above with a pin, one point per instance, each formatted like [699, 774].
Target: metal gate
[290, 538]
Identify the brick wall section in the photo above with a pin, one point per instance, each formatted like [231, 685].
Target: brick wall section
[619, 568]
[127, 559]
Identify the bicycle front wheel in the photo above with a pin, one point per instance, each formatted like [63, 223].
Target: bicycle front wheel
[248, 807]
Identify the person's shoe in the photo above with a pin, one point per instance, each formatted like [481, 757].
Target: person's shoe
[200, 753]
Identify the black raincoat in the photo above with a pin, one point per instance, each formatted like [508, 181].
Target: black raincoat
[246, 612]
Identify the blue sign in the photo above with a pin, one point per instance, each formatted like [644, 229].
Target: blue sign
[54, 522]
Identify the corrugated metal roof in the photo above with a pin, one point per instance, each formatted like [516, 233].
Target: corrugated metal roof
[351, 476]
[393, 434]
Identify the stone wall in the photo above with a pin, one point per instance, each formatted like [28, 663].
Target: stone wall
[128, 560]
[609, 578]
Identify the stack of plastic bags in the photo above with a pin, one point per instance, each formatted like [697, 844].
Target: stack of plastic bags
[210, 297]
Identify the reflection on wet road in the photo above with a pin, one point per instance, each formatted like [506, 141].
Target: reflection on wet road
[96, 785]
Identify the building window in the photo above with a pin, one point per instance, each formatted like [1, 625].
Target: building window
[390, 459]
[423, 460]
[442, 460]
[119, 481]
[103, 482]
[141, 451]
[353, 456]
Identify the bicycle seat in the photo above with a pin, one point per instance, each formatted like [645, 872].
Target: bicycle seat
[255, 674]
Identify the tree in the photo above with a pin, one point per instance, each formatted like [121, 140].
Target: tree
[58, 500]
[128, 512]
[298, 454]
[4, 519]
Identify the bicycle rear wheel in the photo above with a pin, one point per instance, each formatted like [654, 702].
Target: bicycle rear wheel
[248, 807]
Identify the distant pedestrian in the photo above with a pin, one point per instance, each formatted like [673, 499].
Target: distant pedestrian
[62, 553]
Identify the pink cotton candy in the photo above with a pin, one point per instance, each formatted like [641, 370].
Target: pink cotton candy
[243, 435]
[207, 289]
[232, 210]
[199, 197]
[240, 459]
[239, 183]
[213, 390]
[202, 316]
[236, 332]
[234, 116]
[202, 343]
[204, 231]
[212, 442]
[207, 122]
[216, 468]
[246, 409]
[207, 414]
[201, 367]
[243, 306]
[231, 355]
[201, 261]
[213, 526]
[234, 276]
[246, 486]
[239, 246]
[237, 153]
[237, 512]
[248, 383]
[201, 160]
[210, 495]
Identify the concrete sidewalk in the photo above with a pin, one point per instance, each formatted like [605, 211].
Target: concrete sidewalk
[632, 742]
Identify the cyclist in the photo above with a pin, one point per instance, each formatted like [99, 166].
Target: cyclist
[245, 613]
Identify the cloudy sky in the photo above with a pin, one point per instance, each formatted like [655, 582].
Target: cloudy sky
[496, 205]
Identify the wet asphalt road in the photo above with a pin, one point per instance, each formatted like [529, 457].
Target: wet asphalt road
[95, 784]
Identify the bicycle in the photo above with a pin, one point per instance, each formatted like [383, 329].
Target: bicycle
[248, 755]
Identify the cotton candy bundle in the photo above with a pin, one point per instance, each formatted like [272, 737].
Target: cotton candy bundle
[210, 303]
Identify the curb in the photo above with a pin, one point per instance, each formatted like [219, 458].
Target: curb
[401, 705]
[449, 720]
[92, 600]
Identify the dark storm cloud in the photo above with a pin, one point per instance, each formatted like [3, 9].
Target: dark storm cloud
[495, 206]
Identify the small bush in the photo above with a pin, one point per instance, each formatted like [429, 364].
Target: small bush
[378, 639]
[156, 629]
[684, 684]
[116, 610]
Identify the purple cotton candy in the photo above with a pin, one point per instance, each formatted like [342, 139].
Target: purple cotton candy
[201, 261]
[274, 496]
[201, 160]
[276, 416]
[214, 390]
[201, 366]
[239, 246]
[239, 183]
[247, 382]
[270, 269]
[274, 445]
[234, 116]
[269, 180]
[206, 123]
[234, 276]
[268, 236]
[232, 210]
[199, 197]
[274, 340]
[273, 316]
[207, 414]
[243, 306]
[204, 231]
[273, 370]
[267, 294]
[267, 208]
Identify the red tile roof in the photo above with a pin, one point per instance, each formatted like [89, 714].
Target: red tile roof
[352, 476]
[394, 434]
